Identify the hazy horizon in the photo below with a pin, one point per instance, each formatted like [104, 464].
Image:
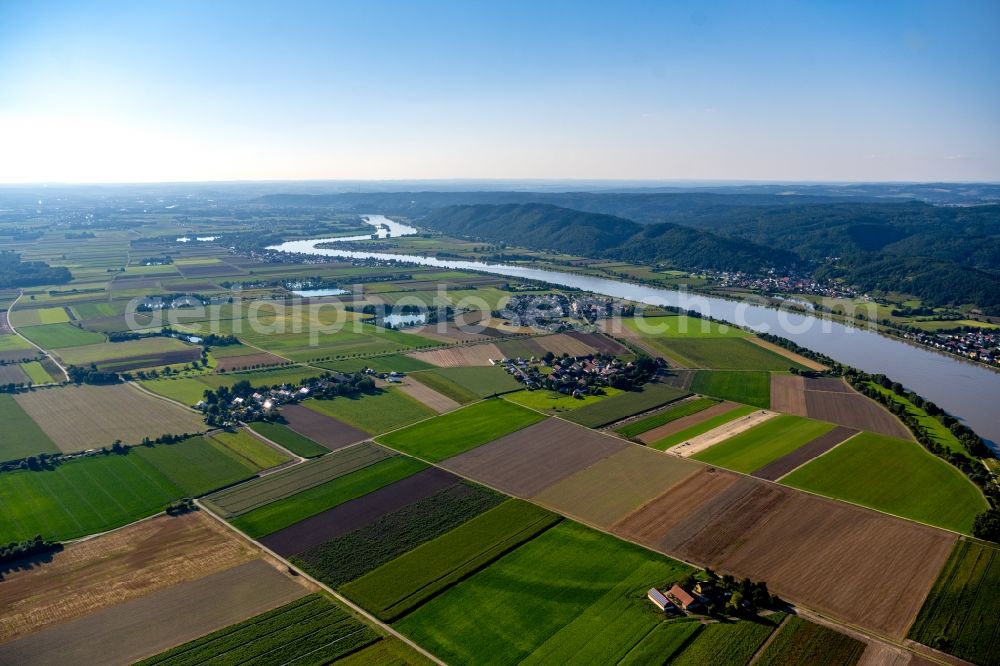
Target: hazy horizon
[307, 91]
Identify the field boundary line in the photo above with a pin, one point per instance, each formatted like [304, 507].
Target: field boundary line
[770, 639]
[329, 590]
[296, 458]
[835, 446]
[161, 397]
[45, 352]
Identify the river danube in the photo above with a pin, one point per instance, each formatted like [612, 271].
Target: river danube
[967, 390]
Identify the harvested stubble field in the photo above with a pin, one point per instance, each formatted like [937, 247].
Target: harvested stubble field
[403, 584]
[82, 417]
[253, 494]
[358, 512]
[609, 489]
[110, 569]
[308, 632]
[800, 456]
[150, 624]
[528, 461]
[802, 642]
[322, 429]
[456, 432]
[464, 355]
[865, 470]
[834, 401]
[304, 504]
[626, 404]
[579, 597]
[565, 343]
[682, 423]
[963, 606]
[438, 402]
[854, 564]
[389, 536]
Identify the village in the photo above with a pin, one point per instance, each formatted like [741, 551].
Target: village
[979, 345]
[583, 375]
[550, 311]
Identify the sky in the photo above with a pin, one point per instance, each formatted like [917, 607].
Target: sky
[371, 90]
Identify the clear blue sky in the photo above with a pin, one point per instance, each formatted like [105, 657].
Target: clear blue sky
[149, 91]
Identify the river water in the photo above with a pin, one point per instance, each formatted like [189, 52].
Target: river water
[969, 391]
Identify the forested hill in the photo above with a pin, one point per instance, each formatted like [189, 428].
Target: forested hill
[546, 227]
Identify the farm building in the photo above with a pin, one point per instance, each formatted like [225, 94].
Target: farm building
[658, 599]
[681, 598]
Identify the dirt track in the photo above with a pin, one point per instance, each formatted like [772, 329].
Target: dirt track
[723, 432]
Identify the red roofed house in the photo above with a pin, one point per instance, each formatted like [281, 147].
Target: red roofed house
[678, 596]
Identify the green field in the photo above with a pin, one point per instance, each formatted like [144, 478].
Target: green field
[662, 643]
[390, 363]
[351, 341]
[672, 413]
[21, 435]
[374, 413]
[23, 317]
[960, 614]
[312, 630]
[259, 492]
[802, 642]
[749, 388]
[185, 390]
[387, 652]
[937, 430]
[895, 476]
[728, 643]
[256, 452]
[97, 493]
[60, 336]
[702, 427]
[572, 594]
[752, 449]
[290, 510]
[455, 432]
[288, 438]
[625, 404]
[352, 555]
[471, 383]
[553, 401]
[725, 354]
[10, 342]
[408, 581]
[682, 326]
[36, 373]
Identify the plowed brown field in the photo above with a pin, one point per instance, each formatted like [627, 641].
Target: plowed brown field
[788, 394]
[833, 400]
[854, 564]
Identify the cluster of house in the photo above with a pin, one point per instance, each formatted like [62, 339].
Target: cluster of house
[983, 346]
[549, 311]
[260, 403]
[570, 376]
[677, 599]
[772, 283]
